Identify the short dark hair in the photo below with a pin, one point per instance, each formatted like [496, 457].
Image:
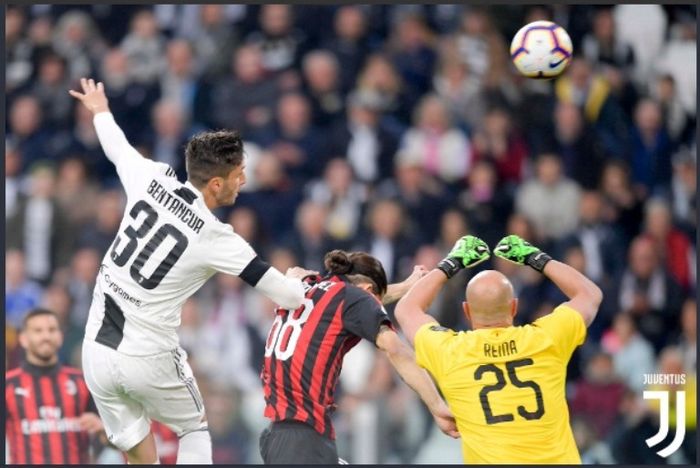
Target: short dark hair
[339, 262]
[37, 312]
[212, 154]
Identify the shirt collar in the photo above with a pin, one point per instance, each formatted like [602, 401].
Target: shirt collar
[40, 370]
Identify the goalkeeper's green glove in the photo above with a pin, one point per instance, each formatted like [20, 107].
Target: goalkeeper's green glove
[467, 252]
[519, 251]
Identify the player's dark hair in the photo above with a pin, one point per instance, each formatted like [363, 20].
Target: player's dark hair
[212, 154]
[35, 313]
[339, 262]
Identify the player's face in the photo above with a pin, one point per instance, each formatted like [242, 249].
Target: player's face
[231, 186]
[42, 338]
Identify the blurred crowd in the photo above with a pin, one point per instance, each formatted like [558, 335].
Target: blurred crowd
[389, 129]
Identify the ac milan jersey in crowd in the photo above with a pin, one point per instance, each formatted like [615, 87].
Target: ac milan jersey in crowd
[43, 406]
[305, 348]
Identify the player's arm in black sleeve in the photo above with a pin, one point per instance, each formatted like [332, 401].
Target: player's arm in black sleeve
[365, 317]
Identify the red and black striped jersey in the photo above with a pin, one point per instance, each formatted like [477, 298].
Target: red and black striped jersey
[42, 409]
[305, 348]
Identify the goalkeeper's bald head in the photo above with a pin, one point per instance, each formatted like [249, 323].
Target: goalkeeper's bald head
[490, 300]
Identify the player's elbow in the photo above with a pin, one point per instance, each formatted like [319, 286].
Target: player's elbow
[402, 311]
[595, 294]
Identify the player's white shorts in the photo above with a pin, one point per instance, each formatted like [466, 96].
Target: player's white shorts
[129, 391]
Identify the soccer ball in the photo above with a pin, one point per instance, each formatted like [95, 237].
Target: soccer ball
[541, 50]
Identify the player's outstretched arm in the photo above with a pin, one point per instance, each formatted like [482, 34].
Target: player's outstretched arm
[112, 138]
[396, 291]
[411, 310]
[584, 295]
[404, 361]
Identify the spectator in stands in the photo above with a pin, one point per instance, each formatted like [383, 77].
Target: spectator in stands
[598, 394]
[486, 207]
[276, 199]
[170, 134]
[310, 240]
[423, 196]
[679, 55]
[13, 161]
[293, 139]
[550, 200]
[130, 101]
[349, 44]
[649, 293]
[343, 196]
[21, 293]
[602, 244]
[388, 238]
[633, 355]
[280, 42]
[179, 79]
[672, 244]
[18, 48]
[582, 154]
[650, 157]
[381, 76]
[245, 102]
[73, 186]
[322, 83]
[215, 40]
[49, 88]
[622, 205]
[459, 88]
[688, 340]
[75, 38]
[603, 46]
[144, 46]
[590, 92]
[40, 228]
[497, 141]
[678, 122]
[684, 189]
[30, 137]
[100, 231]
[445, 150]
[80, 282]
[413, 56]
[367, 142]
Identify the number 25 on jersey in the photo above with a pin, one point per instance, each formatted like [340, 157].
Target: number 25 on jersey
[285, 331]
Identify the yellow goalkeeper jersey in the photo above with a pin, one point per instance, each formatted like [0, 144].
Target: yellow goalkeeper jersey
[505, 386]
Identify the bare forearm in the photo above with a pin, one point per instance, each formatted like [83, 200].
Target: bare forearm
[415, 377]
[584, 296]
[424, 292]
[394, 292]
[569, 280]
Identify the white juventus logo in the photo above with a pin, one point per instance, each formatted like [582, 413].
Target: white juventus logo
[664, 404]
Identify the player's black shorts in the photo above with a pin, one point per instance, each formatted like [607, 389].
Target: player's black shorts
[294, 442]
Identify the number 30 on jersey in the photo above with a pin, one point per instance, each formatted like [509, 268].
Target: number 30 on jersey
[284, 334]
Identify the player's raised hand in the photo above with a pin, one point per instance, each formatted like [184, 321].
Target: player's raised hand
[519, 251]
[299, 272]
[93, 96]
[418, 272]
[467, 252]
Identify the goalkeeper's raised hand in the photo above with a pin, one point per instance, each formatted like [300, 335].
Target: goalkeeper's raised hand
[517, 250]
[467, 252]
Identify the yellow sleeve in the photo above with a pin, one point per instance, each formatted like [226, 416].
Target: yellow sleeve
[566, 327]
[429, 341]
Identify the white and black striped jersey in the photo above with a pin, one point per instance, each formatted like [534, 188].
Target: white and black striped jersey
[169, 243]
